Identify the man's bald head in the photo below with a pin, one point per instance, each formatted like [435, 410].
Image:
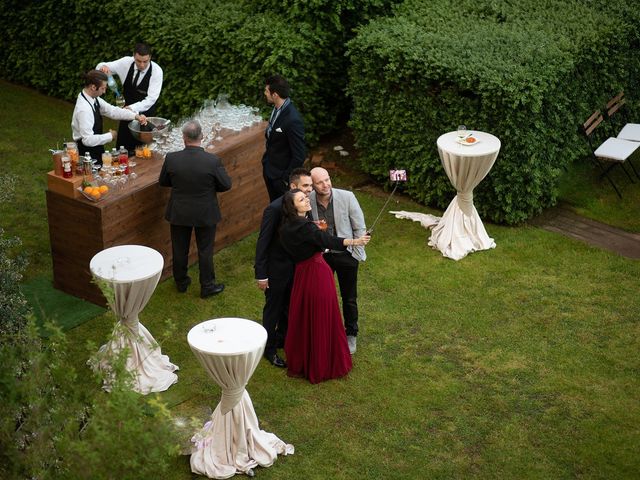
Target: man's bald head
[321, 182]
[317, 172]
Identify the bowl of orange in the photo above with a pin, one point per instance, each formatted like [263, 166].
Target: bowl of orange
[94, 193]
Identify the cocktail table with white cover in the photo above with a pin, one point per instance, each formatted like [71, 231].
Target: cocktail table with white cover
[133, 271]
[231, 441]
[460, 230]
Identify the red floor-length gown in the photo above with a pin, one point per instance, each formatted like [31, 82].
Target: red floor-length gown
[316, 344]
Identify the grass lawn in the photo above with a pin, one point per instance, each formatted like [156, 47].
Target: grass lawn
[518, 362]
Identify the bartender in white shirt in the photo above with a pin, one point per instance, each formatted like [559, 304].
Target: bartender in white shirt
[86, 124]
[141, 84]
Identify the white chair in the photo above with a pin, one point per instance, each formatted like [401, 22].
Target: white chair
[610, 153]
[630, 131]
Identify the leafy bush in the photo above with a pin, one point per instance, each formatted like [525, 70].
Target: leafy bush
[528, 72]
[13, 305]
[53, 426]
[204, 47]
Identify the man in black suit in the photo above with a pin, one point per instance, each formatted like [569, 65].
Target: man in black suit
[285, 149]
[274, 270]
[194, 177]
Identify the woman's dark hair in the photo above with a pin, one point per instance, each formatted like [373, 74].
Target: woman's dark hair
[289, 212]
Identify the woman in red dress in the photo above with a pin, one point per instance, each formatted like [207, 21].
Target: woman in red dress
[316, 343]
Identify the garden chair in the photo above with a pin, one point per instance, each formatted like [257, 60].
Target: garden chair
[611, 153]
[630, 131]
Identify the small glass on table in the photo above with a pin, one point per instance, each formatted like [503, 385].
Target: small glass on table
[461, 132]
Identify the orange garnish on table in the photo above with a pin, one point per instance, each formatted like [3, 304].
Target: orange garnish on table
[471, 140]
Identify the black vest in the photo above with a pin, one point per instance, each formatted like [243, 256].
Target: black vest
[134, 94]
[97, 151]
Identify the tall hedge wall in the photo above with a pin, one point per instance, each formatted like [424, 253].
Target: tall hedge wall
[529, 72]
[203, 46]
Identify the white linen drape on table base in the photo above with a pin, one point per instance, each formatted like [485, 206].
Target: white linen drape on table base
[460, 230]
[153, 371]
[231, 441]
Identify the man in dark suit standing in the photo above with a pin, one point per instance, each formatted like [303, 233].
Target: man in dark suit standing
[194, 177]
[285, 149]
[274, 270]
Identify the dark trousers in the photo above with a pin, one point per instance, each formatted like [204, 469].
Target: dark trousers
[275, 312]
[275, 188]
[180, 240]
[346, 268]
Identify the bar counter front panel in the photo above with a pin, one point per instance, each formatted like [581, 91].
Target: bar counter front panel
[80, 228]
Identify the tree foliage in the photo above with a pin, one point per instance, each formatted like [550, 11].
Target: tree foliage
[204, 47]
[528, 72]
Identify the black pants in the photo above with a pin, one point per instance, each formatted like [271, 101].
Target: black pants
[275, 312]
[276, 188]
[346, 268]
[180, 240]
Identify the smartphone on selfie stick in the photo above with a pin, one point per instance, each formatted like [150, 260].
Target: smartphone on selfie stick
[396, 176]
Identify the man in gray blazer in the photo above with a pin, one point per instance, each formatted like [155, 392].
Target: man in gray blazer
[344, 217]
[194, 177]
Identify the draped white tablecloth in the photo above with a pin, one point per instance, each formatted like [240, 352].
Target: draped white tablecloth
[460, 230]
[231, 441]
[133, 271]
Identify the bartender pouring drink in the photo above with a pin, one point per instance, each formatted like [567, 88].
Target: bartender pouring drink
[141, 84]
[86, 125]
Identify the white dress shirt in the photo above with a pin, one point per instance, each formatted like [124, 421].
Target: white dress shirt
[121, 68]
[82, 121]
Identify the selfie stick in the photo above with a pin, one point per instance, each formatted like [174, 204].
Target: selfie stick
[370, 229]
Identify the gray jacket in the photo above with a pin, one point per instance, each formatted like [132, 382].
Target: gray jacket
[348, 217]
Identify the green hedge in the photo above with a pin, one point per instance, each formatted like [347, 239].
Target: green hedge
[529, 72]
[204, 47]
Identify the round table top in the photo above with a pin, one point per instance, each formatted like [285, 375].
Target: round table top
[486, 144]
[227, 336]
[126, 263]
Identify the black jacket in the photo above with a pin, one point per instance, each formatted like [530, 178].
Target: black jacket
[285, 148]
[302, 238]
[194, 177]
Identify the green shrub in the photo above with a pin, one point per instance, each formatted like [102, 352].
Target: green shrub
[528, 72]
[52, 425]
[13, 304]
[204, 47]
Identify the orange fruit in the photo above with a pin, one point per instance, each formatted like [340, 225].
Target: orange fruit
[95, 193]
[88, 190]
[103, 189]
[471, 140]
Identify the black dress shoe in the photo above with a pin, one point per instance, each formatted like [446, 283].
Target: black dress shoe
[182, 287]
[276, 361]
[207, 292]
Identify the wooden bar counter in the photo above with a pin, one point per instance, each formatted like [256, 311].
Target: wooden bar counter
[80, 228]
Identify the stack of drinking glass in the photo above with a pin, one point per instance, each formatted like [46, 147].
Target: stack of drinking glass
[215, 117]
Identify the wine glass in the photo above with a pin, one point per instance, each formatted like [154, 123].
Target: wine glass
[461, 132]
[120, 102]
[132, 175]
[218, 128]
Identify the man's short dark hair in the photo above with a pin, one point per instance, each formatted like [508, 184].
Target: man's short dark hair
[296, 173]
[192, 130]
[278, 84]
[142, 49]
[94, 77]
